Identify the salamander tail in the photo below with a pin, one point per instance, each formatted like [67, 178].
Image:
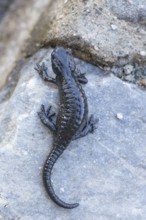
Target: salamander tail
[53, 156]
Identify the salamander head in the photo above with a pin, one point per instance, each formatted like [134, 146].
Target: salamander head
[62, 61]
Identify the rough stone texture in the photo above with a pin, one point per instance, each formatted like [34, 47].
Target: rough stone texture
[104, 171]
[131, 73]
[4, 5]
[15, 29]
[130, 10]
[95, 30]
[87, 26]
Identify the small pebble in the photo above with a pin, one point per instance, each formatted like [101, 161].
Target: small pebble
[129, 78]
[119, 116]
[142, 82]
[118, 71]
[128, 69]
[62, 189]
[143, 53]
[88, 10]
[114, 27]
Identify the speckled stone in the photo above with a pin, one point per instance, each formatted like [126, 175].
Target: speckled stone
[87, 27]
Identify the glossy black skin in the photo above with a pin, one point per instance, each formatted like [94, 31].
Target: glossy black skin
[72, 120]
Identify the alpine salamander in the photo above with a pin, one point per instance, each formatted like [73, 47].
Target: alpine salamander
[72, 120]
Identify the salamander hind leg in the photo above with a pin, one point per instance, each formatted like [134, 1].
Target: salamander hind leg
[47, 118]
[81, 77]
[92, 124]
[89, 127]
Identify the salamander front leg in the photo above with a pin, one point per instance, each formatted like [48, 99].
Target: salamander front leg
[47, 118]
[44, 73]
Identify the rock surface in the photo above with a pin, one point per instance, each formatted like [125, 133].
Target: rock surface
[4, 5]
[104, 171]
[130, 10]
[15, 29]
[88, 25]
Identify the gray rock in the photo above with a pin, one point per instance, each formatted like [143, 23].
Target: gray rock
[104, 171]
[4, 5]
[128, 69]
[130, 10]
[130, 78]
[16, 26]
[86, 26]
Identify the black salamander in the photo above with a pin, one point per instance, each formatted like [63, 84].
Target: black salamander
[72, 120]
